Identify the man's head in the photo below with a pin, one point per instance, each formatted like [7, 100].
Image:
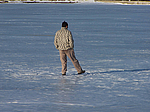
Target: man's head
[65, 24]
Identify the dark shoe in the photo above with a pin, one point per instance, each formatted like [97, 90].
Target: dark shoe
[63, 74]
[83, 71]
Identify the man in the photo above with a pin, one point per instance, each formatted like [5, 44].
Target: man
[64, 43]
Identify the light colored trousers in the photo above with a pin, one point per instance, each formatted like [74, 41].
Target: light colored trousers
[63, 58]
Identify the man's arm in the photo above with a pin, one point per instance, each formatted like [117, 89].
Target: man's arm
[55, 41]
[71, 41]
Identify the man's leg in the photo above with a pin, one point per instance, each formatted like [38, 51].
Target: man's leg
[63, 59]
[70, 53]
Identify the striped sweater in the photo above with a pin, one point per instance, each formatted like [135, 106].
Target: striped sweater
[63, 39]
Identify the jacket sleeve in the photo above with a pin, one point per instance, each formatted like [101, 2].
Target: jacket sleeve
[55, 41]
[71, 41]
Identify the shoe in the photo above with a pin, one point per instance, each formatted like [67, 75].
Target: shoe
[83, 71]
[63, 74]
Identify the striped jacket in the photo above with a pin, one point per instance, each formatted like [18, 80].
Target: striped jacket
[63, 39]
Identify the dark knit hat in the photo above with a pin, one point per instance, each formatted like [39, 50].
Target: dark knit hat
[64, 24]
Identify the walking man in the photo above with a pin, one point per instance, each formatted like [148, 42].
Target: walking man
[64, 43]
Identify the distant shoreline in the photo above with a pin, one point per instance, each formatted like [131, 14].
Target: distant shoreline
[126, 2]
[63, 1]
[55, 2]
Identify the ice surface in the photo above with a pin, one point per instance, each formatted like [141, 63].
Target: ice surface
[112, 44]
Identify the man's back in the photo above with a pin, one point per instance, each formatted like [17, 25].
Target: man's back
[63, 39]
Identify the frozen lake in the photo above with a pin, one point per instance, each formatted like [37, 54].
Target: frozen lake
[112, 43]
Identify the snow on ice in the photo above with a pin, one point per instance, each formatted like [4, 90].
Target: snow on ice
[112, 44]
